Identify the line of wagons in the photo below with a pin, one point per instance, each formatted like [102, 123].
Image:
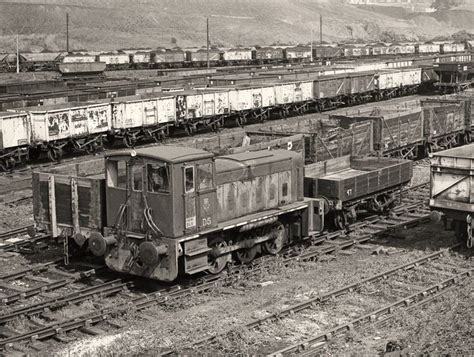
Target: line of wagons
[27, 132]
[175, 58]
[439, 124]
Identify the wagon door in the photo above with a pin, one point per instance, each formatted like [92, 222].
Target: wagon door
[209, 104]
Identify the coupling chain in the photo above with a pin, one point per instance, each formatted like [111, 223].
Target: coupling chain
[470, 239]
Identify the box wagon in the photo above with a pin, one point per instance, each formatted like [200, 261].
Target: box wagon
[446, 123]
[70, 201]
[267, 54]
[395, 133]
[451, 189]
[199, 57]
[361, 84]
[330, 90]
[349, 184]
[81, 125]
[15, 134]
[327, 52]
[148, 117]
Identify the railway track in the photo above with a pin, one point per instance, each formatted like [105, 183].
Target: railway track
[39, 281]
[21, 238]
[407, 300]
[211, 343]
[117, 298]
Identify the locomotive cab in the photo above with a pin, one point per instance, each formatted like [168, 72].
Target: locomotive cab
[178, 190]
[153, 197]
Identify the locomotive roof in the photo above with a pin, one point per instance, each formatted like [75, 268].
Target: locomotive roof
[254, 158]
[171, 154]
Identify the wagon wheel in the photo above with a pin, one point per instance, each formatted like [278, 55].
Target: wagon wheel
[340, 220]
[429, 148]
[157, 136]
[129, 141]
[3, 166]
[466, 138]
[34, 154]
[188, 129]
[217, 264]
[239, 121]
[55, 154]
[216, 126]
[91, 148]
[274, 246]
[110, 139]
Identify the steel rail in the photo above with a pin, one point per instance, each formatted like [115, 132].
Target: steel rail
[105, 289]
[33, 269]
[57, 284]
[325, 297]
[435, 289]
[14, 232]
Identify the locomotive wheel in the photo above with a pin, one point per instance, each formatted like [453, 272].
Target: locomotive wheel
[217, 264]
[340, 220]
[245, 256]
[275, 245]
[55, 154]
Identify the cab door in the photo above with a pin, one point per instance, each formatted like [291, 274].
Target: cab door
[117, 180]
[189, 194]
[135, 193]
[200, 197]
[206, 196]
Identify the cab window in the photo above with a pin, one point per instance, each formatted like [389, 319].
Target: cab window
[189, 179]
[158, 178]
[117, 174]
[205, 176]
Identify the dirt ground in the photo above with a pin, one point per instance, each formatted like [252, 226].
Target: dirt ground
[182, 322]
[14, 213]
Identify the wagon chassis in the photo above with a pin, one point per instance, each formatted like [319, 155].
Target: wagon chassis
[345, 213]
[9, 158]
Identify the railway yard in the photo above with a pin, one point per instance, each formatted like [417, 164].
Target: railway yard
[178, 245]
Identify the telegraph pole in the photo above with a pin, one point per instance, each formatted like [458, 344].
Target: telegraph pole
[311, 45]
[17, 54]
[67, 32]
[321, 29]
[207, 37]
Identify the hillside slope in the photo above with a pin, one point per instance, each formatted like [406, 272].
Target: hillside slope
[112, 24]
